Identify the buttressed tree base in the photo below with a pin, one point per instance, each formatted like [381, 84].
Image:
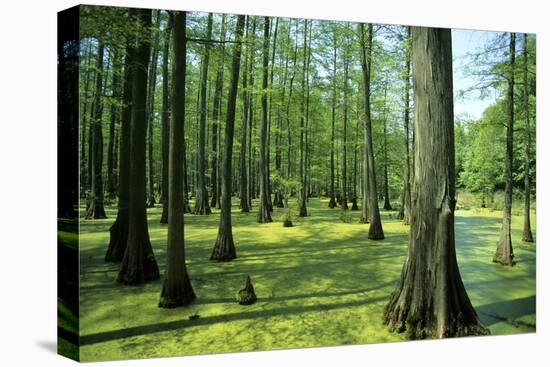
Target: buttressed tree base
[364, 182]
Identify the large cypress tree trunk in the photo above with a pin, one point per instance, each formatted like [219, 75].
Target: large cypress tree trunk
[165, 121]
[138, 264]
[177, 289]
[216, 113]
[201, 200]
[96, 209]
[404, 212]
[527, 234]
[264, 213]
[505, 254]
[224, 248]
[115, 116]
[375, 230]
[244, 187]
[119, 230]
[430, 300]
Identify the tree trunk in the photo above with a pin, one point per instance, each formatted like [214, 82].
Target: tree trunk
[244, 187]
[430, 300]
[404, 213]
[505, 254]
[344, 200]
[527, 234]
[201, 200]
[216, 113]
[249, 170]
[303, 131]
[95, 207]
[84, 115]
[264, 213]
[138, 265]
[332, 193]
[224, 248]
[115, 116]
[150, 111]
[119, 230]
[165, 121]
[387, 205]
[375, 230]
[177, 289]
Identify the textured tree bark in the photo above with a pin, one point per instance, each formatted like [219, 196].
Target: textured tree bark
[177, 289]
[375, 230]
[96, 209]
[119, 230]
[430, 300]
[404, 212]
[216, 113]
[224, 248]
[527, 234]
[505, 254]
[138, 264]
[264, 213]
[244, 187]
[201, 199]
[165, 121]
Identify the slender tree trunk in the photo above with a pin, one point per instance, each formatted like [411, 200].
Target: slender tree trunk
[303, 132]
[165, 121]
[115, 116]
[95, 208]
[387, 205]
[251, 191]
[201, 200]
[355, 173]
[375, 230]
[527, 234]
[244, 187]
[344, 200]
[290, 90]
[177, 289]
[138, 264]
[332, 193]
[224, 248]
[505, 254]
[404, 213]
[150, 111]
[216, 114]
[430, 300]
[270, 115]
[85, 104]
[264, 213]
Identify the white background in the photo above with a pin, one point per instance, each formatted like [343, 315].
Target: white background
[28, 181]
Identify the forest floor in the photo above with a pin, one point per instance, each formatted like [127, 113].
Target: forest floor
[319, 283]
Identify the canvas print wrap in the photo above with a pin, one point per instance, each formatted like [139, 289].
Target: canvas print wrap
[232, 183]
